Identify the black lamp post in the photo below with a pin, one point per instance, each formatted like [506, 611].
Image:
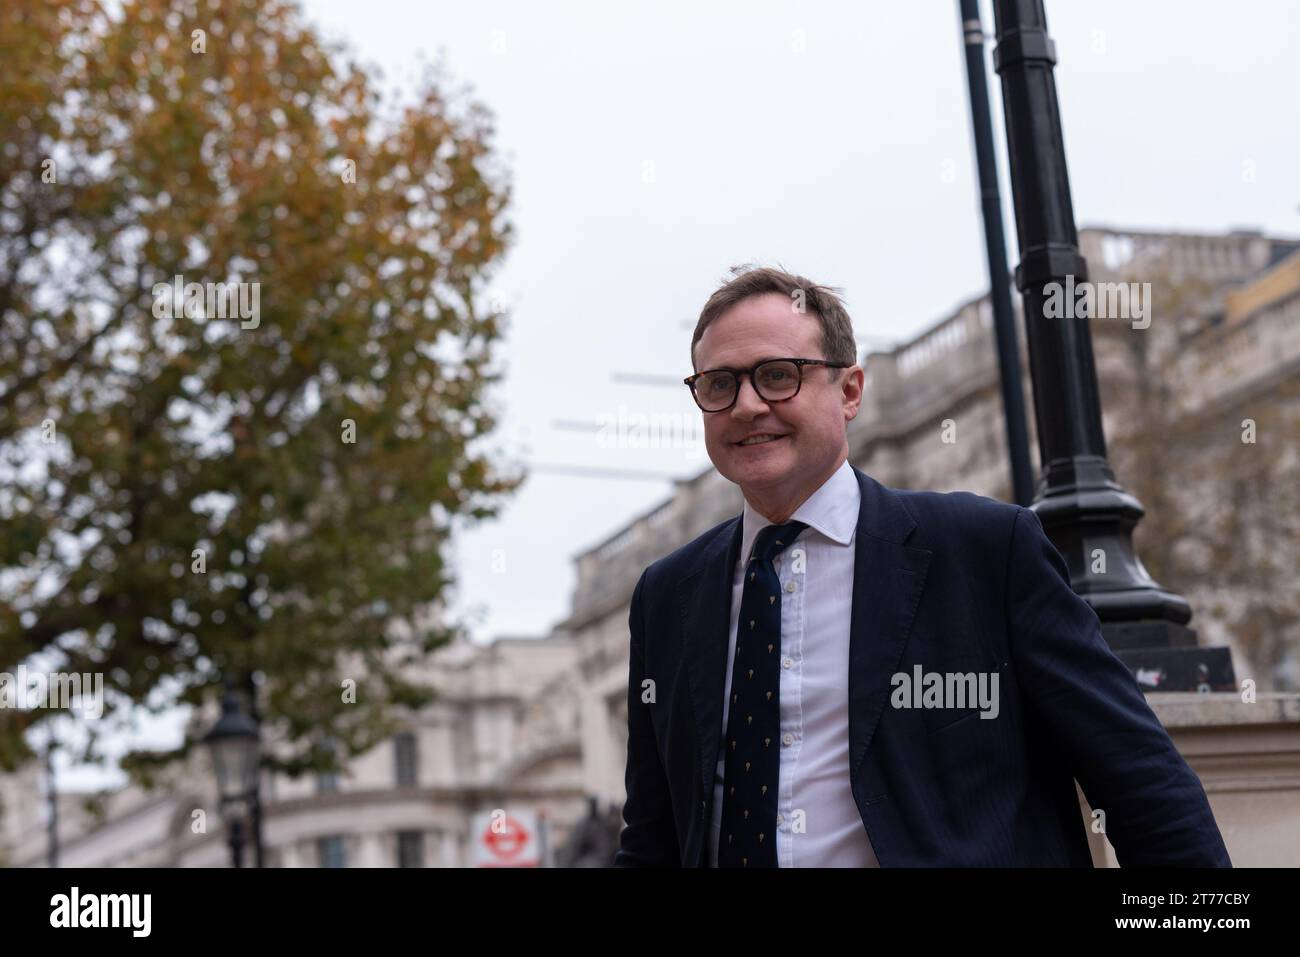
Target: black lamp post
[1087, 514]
[235, 746]
[995, 246]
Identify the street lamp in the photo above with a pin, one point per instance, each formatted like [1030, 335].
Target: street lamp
[995, 245]
[1085, 511]
[234, 745]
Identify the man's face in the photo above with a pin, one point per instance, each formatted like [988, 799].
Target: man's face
[811, 425]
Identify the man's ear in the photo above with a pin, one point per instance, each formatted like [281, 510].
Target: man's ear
[854, 381]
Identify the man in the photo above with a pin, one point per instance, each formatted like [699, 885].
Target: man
[848, 675]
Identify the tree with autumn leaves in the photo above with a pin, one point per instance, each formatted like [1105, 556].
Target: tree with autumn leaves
[187, 497]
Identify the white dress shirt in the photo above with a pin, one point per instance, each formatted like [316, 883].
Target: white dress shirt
[818, 824]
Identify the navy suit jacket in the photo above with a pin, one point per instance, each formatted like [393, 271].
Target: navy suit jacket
[954, 583]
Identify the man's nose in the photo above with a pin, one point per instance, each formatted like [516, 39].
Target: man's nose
[748, 402]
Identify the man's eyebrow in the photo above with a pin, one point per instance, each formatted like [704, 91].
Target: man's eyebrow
[748, 365]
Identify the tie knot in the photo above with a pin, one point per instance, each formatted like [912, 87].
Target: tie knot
[773, 538]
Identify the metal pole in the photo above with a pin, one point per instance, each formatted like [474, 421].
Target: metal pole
[236, 841]
[995, 243]
[255, 799]
[543, 840]
[52, 830]
[1087, 514]
[255, 822]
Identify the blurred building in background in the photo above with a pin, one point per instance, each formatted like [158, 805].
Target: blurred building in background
[503, 735]
[540, 726]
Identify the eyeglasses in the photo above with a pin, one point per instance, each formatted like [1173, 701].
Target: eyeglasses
[775, 380]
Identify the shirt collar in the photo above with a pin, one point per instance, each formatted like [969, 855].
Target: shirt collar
[831, 510]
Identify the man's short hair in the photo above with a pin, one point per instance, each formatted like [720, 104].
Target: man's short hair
[838, 342]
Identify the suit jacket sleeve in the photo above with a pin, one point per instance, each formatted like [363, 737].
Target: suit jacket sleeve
[1156, 812]
[649, 838]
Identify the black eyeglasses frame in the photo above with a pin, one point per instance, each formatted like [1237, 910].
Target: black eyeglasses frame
[739, 373]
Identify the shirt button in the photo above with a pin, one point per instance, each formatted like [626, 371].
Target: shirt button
[780, 819]
[787, 662]
[787, 739]
[790, 586]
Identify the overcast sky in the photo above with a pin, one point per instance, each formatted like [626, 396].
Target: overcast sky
[653, 145]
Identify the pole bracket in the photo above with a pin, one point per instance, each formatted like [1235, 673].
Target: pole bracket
[1041, 264]
[1034, 46]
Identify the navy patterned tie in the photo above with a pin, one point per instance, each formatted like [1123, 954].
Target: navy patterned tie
[753, 746]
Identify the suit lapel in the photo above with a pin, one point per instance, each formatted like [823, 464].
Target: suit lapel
[888, 579]
[704, 598]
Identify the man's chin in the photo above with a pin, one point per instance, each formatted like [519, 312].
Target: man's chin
[759, 474]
